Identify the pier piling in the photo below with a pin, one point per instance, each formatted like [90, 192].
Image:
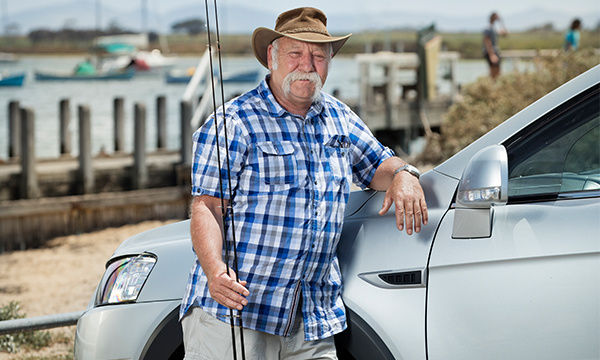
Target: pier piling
[140, 168]
[86, 170]
[29, 181]
[14, 129]
[65, 127]
[119, 124]
[161, 122]
[186, 133]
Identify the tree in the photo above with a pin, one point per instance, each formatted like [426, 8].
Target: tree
[191, 27]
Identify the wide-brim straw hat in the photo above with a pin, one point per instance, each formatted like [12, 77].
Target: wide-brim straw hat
[304, 24]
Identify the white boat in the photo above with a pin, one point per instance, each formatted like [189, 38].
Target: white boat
[118, 52]
[141, 61]
[8, 57]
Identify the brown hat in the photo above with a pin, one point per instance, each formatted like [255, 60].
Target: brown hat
[304, 24]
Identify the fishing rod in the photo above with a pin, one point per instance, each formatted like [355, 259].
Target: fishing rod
[222, 196]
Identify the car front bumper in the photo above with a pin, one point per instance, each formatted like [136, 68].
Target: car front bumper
[122, 331]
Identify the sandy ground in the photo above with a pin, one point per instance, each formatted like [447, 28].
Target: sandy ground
[60, 278]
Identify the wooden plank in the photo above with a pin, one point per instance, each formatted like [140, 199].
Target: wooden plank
[30, 223]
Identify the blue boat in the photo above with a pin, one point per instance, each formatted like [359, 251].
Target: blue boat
[241, 77]
[53, 76]
[14, 79]
[176, 78]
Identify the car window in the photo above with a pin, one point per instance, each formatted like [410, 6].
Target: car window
[559, 153]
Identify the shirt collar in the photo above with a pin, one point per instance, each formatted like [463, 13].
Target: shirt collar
[277, 110]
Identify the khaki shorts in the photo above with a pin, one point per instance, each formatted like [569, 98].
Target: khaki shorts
[206, 338]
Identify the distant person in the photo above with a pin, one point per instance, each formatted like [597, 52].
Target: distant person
[573, 36]
[491, 51]
[85, 68]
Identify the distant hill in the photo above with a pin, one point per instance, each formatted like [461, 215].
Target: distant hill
[244, 19]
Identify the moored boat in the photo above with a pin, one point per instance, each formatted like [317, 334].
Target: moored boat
[12, 79]
[250, 76]
[57, 76]
[8, 57]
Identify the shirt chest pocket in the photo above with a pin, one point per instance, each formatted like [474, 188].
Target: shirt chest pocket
[277, 163]
[336, 151]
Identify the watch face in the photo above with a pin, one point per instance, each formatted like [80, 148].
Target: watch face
[413, 170]
[410, 169]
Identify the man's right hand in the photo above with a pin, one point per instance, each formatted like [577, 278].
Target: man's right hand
[206, 229]
[227, 291]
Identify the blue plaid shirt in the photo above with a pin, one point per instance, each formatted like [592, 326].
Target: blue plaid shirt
[290, 178]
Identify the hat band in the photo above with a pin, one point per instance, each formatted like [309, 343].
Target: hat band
[306, 30]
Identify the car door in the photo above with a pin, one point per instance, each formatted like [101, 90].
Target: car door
[529, 288]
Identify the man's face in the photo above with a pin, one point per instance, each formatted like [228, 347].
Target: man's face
[300, 71]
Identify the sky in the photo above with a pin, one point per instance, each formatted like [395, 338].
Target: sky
[446, 14]
[447, 7]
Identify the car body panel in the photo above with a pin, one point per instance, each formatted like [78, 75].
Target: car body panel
[120, 331]
[540, 266]
[171, 272]
[376, 246]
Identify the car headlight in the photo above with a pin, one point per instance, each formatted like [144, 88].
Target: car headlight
[123, 279]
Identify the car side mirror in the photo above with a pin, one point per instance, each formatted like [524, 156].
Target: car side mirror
[483, 184]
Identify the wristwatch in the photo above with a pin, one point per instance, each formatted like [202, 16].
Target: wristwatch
[410, 169]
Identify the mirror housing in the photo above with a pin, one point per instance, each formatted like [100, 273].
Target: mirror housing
[484, 183]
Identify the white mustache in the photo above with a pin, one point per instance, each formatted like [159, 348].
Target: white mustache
[297, 75]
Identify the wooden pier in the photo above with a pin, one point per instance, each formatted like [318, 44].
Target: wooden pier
[398, 97]
[40, 199]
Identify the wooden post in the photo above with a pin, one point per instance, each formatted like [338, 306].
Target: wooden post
[364, 89]
[65, 123]
[14, 129]
[161, 122]
[119, 124]
[186, 133]
[86, 170]
[392, 96]
[29, 181]
[140, 168]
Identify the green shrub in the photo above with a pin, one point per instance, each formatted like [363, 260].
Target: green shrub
[486, 103]
[31, 339]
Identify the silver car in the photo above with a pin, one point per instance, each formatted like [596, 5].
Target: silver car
[507, 268]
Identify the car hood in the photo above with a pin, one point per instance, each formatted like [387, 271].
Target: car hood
[151, 240]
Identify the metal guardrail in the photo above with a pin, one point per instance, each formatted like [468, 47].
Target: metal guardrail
[39, 323]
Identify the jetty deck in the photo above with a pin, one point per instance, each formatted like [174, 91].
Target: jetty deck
[60, 209]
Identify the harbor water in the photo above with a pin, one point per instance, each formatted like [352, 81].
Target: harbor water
[44, 98]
